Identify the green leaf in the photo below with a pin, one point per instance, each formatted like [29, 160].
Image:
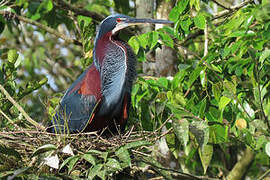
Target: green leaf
[178, 9]
[84, 21]
[135, 45]
[166, 39]
[137, 144]
[216, 68]
[153, 39]
[216, 89]
[224, 101]
[12, 56]
[174, 14]
[206, 156]
[124, 156]
[163, 82]
[194, 75]
[181, 129]
[199, 21]
[43, 149]
[200, 130]
[49, 5]
[71, 161]
[143, 40]
[185, 24]
[94, 171]
[265, 54]
[202, 108]
[88, 157]
[113, 165]
[95, 151]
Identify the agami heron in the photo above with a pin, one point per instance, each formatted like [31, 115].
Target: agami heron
[101, 96]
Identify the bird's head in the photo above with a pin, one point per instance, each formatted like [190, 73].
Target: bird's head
[112, 24]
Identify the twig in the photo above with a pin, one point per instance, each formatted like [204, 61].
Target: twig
[163, 134]
[183, 175]
[221, 5]
[260, 97]
[232, 9]
[4, 2]
[44, 27]
[165, 122]
[27, 117]
[9, 120]
[78, 11]
[264, 174]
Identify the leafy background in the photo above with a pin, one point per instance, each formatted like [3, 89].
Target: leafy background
[209, 119]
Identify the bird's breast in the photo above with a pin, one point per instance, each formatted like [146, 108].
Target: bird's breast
[113, 77]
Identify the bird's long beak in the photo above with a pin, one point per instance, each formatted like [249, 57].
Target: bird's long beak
[136, 21]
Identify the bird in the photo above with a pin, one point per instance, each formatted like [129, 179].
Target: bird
[101, 96]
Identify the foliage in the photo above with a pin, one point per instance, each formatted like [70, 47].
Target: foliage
[214, 107]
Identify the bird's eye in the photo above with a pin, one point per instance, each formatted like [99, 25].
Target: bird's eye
[118, 20]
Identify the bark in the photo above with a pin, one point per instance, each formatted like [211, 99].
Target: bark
[241, 167]
[166, 57]
[145, 9]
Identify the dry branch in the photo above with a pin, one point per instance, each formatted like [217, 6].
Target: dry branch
[78, 11]
[27, 117]
[42, 26]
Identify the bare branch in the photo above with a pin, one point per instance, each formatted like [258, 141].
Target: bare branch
[221, 5]
[232, 9]
[78, 11]
[27, 117]
[42, 26]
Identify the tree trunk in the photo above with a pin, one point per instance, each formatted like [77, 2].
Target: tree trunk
[145, 9]
[166, 57]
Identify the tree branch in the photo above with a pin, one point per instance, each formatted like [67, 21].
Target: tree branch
[232, 9]
[42, 26]
[242, 165]
[221, 5]
[27, 117]
[78, 11]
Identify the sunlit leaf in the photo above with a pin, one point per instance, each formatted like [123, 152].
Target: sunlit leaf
[44, 148]
[113, 165]
[199, 21]
[124, 156]
[206, 156]
[88, 157]
[92, 173]
[223, 102]
[181, 129]
[194, 75]
[265, 54]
